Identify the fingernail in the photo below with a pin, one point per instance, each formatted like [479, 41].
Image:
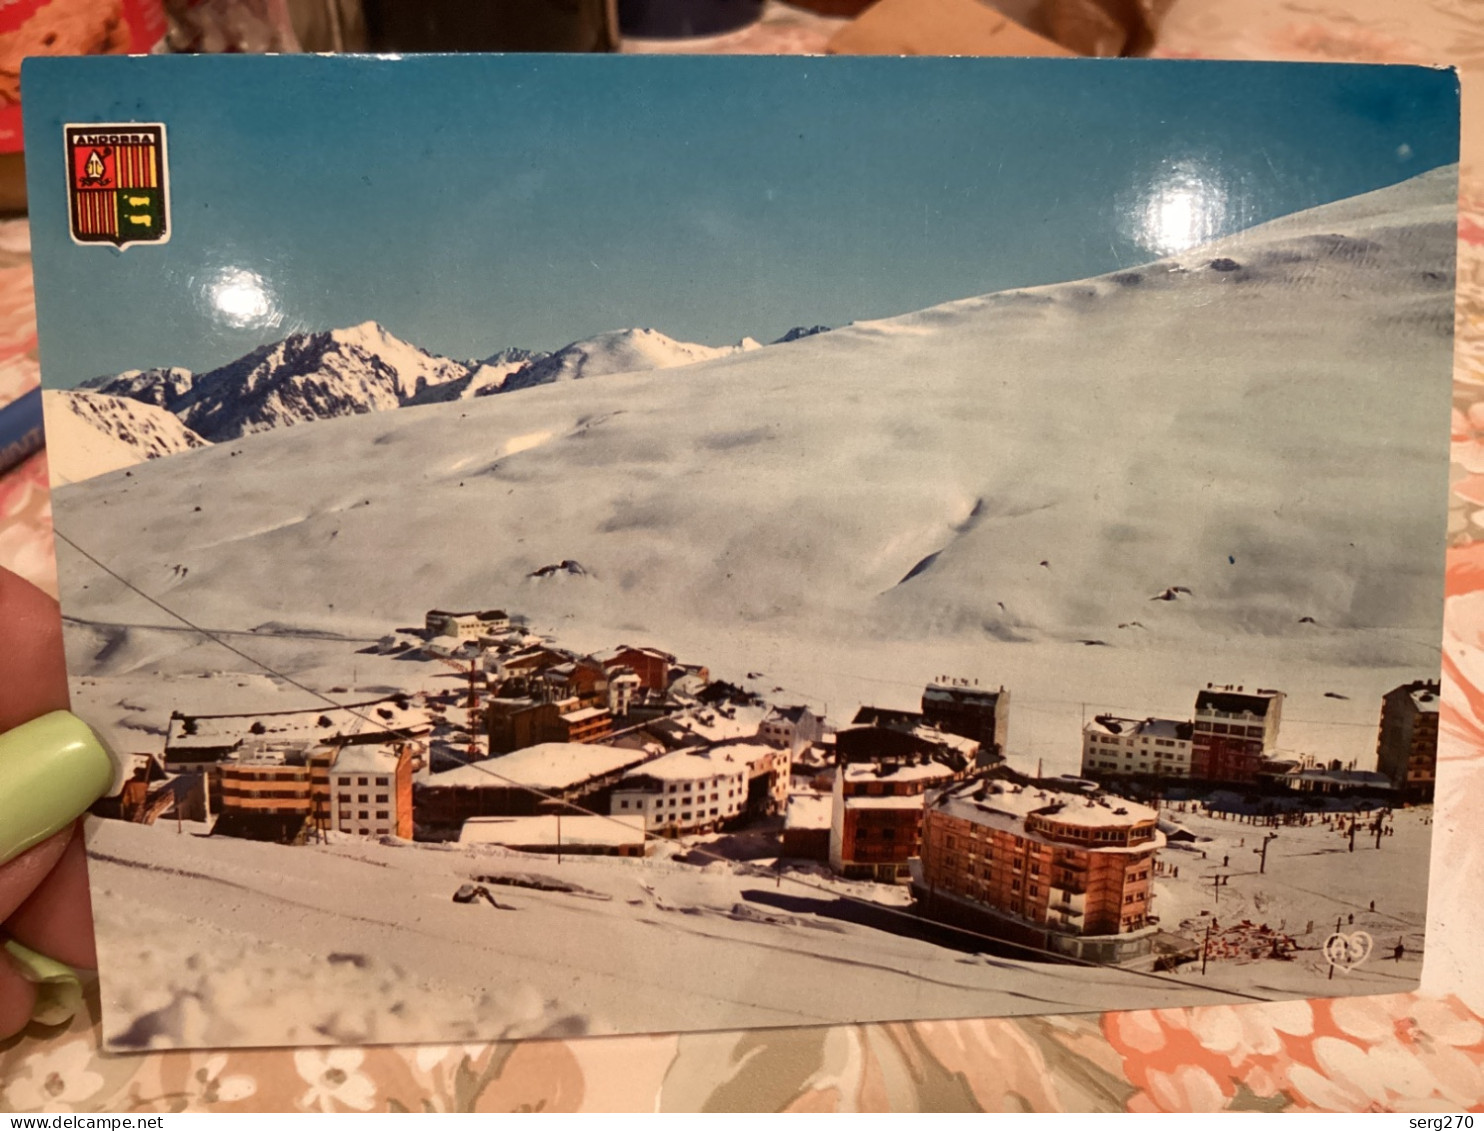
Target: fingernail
[58, 988]
[51, 770]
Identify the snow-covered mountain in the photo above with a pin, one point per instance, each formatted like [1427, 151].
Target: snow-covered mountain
[362, 369]
[312, 377]
[1258, 426]
[798, 332]
[92, 433]
[618, 351]
[163, 387]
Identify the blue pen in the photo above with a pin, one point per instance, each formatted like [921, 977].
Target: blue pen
[20, 430]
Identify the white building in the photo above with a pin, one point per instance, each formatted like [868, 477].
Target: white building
[467, 625]
[363, 792]
[686, 791]
[795, 728]
[623, 688]
[1115, 746]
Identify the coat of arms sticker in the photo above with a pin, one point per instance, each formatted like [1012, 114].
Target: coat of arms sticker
[118, 186]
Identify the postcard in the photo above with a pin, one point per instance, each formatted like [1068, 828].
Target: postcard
[597, 545]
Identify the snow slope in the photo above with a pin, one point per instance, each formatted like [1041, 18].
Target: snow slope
[618, 351]
[91, 433]
[981, 488]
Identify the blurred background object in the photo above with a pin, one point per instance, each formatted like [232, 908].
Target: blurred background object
[1101, 27]
[491, 25]
[666, 19]
[60, 27]
[239, 26]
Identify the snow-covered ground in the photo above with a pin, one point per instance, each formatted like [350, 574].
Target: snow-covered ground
[995, 488]
[216, 942]
[92, 434]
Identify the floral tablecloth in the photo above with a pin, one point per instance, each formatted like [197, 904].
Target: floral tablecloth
[1412, 1052]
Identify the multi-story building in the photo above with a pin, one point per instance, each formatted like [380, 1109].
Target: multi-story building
[876, 814]
[549, 778]
[1063, 872]
[370, 791]
[466, 625]
[1407, 745]
[1117, 747]
[1232, 732]
[650, 664]
[964, 708]
[879, 735]
[515, 724]
[793, 727]
[685, 791]
[267, 794]
[769, 773]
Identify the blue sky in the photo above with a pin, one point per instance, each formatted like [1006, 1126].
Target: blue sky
[474, 203]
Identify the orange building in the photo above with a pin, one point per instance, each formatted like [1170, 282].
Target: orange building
[516, 724]
[267, 795]
[1067, 873]
[650, 664]
[291, 794]
[876, 815]
[1407, 745]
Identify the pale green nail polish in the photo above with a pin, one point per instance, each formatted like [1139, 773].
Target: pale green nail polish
[58, 988]
[51, 770]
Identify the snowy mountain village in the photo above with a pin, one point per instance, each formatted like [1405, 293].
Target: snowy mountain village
[1165, 852]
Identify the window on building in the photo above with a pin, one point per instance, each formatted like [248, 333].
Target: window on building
[363, 781]
[381, 799]
[365, 816]
[1035, 889]
[623, 804]
[1014, 885]
[713, 812]
[685, 816]
[382, 814]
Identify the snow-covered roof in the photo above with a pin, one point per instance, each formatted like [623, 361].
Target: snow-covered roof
[689, 765]
[1236, 702]
[808, 811]
[890, 801]
[897, 771]
[543, 831]
[975, 696]
[549, 766]
[1006, 805]
[365, 760]
[787, 714]
[1140, 728]
[1350, 779]
[313, 724]
[1425, 699]
[584, 714]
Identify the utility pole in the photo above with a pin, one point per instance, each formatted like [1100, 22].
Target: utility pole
[1379, 830]
[1352, 832]
[1263, 866]
[1216, 888]
[1331, 978]
[1206, 949]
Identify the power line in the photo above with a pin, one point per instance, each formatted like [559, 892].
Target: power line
[484, 768]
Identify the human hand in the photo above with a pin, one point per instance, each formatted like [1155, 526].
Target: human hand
[51, 769]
